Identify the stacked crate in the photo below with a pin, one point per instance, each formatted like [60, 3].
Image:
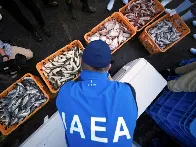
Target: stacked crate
[174, 112]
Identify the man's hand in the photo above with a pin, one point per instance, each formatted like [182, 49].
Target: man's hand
[5, 59]
[170, 11]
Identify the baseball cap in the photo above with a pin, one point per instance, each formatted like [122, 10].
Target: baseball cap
[97, 54]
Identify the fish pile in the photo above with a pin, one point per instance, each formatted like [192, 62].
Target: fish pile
[113, 33]
[63, 67]
[164, 33]
[20, 102]
[140, 12]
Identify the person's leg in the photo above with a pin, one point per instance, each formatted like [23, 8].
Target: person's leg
[14, 10]
[34, 8]
[86, 7]
[187, 16]
[185, 83]
[19, 50]
[185, 69]
[72, 13]
[183, 6]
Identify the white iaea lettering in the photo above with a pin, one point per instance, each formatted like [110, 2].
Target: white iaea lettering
[63, 118]
[121, 128]
[95, 128]
[76, 120]
[119, 133]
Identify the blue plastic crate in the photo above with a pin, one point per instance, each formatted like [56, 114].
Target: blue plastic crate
[179, 111]
[188, 121]
[185, 62]
[165, 110]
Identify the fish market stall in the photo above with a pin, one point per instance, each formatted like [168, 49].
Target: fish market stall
[164, 33]
[147, 82]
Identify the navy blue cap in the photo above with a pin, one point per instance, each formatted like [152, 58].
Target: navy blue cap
[97, 54]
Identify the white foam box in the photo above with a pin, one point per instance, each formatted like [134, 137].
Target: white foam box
[145, 79]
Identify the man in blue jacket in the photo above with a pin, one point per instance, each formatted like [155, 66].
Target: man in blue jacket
[97, 112]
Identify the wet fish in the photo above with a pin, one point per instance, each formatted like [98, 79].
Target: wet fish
[141, 12]
[63, 68]
[18, 103]
[113, 33]
[164, 33]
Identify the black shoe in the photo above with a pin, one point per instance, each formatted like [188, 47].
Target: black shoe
[72, 14]
[37, 36]
[88, 9]
[53, 3]
[46, 30]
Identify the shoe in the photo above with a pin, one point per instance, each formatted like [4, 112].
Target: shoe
[87, 8]
[46, 30]
[194, 36]
[125, 1]
[193, 51]
[194, 23]
[72, 13]
[37, 36]
[170, 11]
[1, 17]
[110, 5]
[53, 3]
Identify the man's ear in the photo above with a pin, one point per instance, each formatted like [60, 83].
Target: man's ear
[109, 66]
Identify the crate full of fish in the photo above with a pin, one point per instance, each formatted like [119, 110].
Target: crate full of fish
[20, 101]
[114, 30]
[164, 33]
[62, 66]
[140, 13]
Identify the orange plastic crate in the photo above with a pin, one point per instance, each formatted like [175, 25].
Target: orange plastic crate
[6, 131]
[118, 17]
[150, 44]
[158, 7]
[46, 60]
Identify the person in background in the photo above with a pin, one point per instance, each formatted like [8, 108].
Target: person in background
[186, 82]
[8, 51]
[111, 4]
[51, 3]
[14, 10]
[182, 7]
[85, 7]
[97, 112]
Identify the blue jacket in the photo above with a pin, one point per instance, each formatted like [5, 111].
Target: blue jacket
[97, 112]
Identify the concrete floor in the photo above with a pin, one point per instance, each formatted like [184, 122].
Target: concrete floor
[65, 30]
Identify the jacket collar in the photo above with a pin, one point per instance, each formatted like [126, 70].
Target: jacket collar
[90, 75]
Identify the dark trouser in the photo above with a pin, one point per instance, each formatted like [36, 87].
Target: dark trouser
[14, 10]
